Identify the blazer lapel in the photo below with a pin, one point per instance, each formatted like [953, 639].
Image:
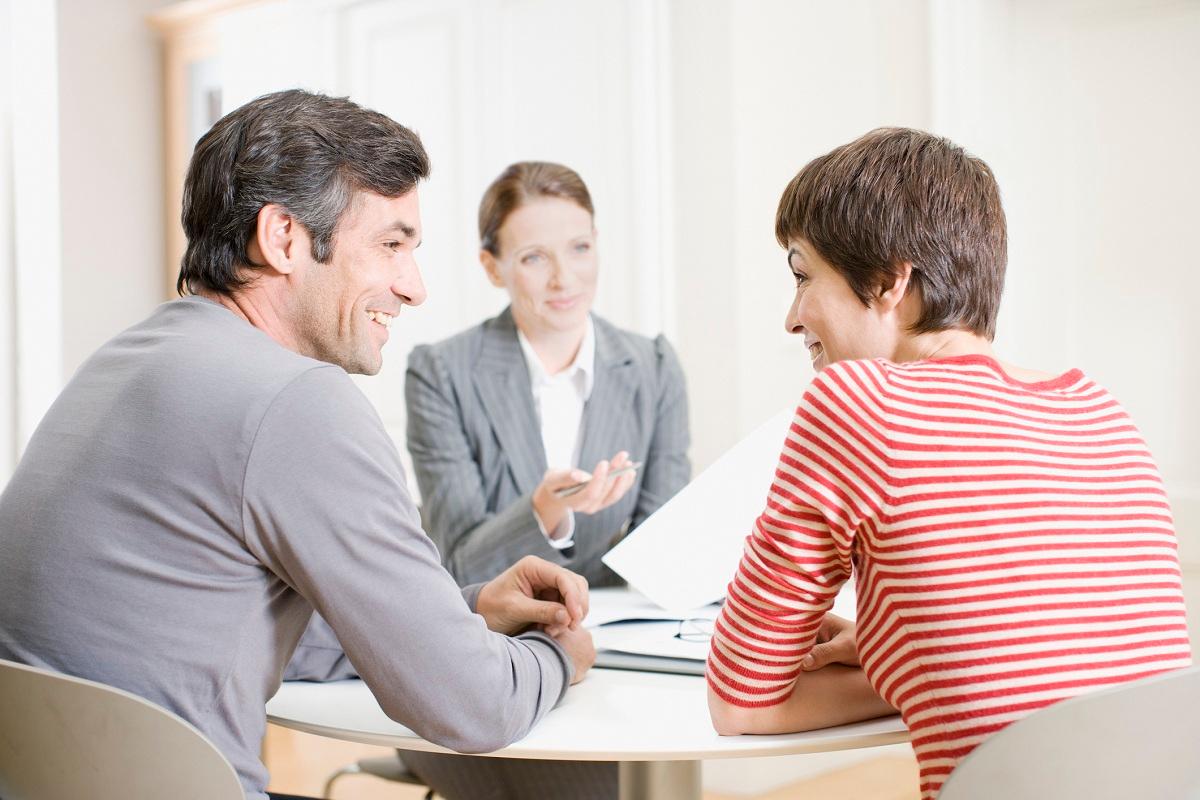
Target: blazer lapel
[502, 382]
[608, 418]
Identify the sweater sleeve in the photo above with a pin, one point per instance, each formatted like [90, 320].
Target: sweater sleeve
[325, 507]
[830, 482]
[321, 657]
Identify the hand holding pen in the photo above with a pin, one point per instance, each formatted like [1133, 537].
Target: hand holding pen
[613, 472]
[579, 491]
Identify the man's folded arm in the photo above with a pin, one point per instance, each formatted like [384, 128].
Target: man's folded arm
[347, 537]
[320, 656]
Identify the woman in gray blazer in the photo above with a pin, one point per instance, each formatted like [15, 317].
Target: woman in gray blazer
[505, 414]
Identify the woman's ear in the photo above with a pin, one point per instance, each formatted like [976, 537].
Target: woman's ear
[491, 267]
[891, 295]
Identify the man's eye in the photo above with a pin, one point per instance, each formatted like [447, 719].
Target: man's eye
[531, 258]
[392, 245]
[583, 247]
[800, 277]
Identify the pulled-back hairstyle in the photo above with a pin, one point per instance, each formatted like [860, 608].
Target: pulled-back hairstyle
[519, 184]
[309, 153]
[899, 195]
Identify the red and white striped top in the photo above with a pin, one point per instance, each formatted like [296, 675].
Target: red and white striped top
[1011, 544]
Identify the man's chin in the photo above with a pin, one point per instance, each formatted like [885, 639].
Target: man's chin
[367, 368]
[359, 364]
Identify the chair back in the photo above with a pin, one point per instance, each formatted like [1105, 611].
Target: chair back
[1140, 740]
[65, 738]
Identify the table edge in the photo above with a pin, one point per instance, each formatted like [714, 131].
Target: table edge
[773, 747]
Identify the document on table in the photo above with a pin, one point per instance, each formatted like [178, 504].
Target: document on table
[656, 639]
[619, 604]
[629, 623]
[684, 555]
[631, 632]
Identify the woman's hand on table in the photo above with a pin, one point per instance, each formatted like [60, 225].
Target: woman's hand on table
[836, 644]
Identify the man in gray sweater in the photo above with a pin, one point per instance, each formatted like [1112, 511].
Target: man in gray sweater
[211, 476]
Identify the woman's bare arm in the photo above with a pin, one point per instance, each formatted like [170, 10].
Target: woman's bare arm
[833, 695]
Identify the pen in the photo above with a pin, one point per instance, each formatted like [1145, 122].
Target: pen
[578, 487]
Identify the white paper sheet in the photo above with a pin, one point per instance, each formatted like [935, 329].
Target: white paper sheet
[685, 554]
[657, 637]
[649, 639]
[615, 604]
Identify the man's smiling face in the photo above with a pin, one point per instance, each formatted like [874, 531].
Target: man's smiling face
[342, 309]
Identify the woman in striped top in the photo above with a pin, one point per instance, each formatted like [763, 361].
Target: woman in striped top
[1007, 530]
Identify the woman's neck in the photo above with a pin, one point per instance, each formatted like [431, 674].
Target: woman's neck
[556, 350]
[947, 344]
[942, 344]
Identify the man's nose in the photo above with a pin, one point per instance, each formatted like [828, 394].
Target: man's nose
[410, 286]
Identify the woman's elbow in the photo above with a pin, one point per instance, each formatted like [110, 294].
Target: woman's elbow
[727, 719]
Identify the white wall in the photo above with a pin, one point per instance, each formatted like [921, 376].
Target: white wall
[760, 89]
[111, 174]
[29, 207]
[1089, 114]
[8, 387]
[80, 194]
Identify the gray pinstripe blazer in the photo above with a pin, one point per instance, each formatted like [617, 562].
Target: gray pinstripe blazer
[477, 449]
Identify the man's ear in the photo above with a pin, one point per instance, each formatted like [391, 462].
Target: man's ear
[276, 239]
[891, 295]
[491, 267]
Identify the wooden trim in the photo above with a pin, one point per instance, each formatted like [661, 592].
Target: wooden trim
[182, 18]
[184, 48]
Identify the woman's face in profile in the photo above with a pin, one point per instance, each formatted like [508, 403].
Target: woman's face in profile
[828, 314]
[548, 264]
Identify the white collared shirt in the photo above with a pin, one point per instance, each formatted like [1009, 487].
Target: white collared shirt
[559, 401]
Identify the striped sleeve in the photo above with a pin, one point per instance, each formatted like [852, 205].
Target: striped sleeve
[830, 482]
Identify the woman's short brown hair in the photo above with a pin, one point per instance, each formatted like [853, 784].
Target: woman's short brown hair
[520, 183]
[899, 195]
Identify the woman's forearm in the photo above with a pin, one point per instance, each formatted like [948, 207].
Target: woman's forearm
[832, 695]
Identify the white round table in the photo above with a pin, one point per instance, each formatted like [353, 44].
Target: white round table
[655, 724]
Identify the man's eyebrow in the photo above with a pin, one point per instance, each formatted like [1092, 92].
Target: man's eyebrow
[793, 253]
[402, 227]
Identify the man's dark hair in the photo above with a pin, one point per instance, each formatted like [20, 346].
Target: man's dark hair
[306, 152]
[899, 195]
